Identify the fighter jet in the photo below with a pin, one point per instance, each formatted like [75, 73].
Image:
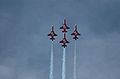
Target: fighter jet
[75, 33]
[52, 34]
[64, 26]
[64, 41]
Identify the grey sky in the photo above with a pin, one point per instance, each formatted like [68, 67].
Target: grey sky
[25, 47]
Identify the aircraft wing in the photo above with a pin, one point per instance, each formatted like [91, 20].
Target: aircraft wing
[62, 41]
[50, 34]
[61, 27]
[55, 34]
[73, 33]
[67, 27]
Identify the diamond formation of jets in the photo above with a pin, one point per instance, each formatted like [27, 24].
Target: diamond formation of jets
[64, 42]
[64, 27]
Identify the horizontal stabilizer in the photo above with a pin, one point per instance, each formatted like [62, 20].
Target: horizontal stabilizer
[64, 31]
[52, 39]
[64, 46]
[75, 38]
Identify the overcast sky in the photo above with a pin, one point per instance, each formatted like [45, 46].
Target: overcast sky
[25, 46]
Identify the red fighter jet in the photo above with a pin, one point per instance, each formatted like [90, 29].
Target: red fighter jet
[64, 26]
[75, 33]
[64, 41]
[52, 34]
